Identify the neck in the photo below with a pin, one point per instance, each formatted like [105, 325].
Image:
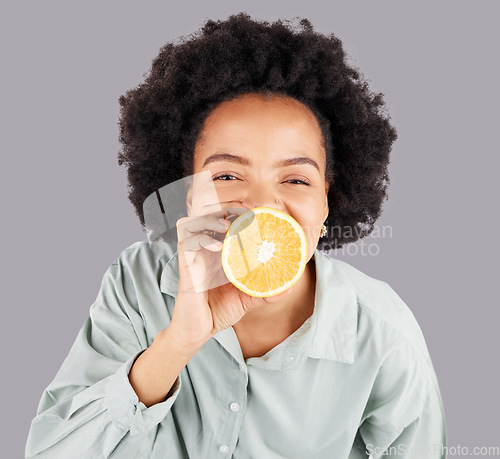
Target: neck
[286, 315]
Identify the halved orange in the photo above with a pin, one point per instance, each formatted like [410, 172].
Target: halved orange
[264, 252]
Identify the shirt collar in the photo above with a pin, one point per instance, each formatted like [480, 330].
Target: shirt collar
[335, 316]
[330, 333]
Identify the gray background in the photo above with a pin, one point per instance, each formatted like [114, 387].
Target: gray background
[66, 215]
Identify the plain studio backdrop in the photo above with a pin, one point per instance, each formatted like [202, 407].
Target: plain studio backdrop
[66, 216]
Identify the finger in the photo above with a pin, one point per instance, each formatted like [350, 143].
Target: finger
[200, 241]
[211, 222]
[214, 227]
[185, 258]
[191, 270]
[231, 212]
[204, 271]
[224, 209]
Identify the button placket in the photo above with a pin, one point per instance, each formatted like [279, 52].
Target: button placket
[237, 388]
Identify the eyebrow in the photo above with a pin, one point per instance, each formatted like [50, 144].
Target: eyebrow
[245, 162]
[298, 160]
[226, 157]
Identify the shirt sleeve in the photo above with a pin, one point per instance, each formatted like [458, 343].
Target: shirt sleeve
[404, 417]
[90, 409]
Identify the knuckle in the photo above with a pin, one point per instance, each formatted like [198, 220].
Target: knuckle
[181, 221]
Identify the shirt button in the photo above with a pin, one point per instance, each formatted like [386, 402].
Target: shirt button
[235, 406]
[291, 358]
[224, 448]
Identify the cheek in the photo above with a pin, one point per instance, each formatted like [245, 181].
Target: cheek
[229, 191]
[202, 193]
[312, 231]
[309, 213]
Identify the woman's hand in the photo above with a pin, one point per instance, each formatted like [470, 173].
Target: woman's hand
[206, 301]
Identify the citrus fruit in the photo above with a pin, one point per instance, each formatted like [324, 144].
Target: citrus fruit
[264, 252]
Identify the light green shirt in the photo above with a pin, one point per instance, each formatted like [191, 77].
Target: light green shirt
[355, 378]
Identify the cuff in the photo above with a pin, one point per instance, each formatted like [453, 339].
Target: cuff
[124, 407]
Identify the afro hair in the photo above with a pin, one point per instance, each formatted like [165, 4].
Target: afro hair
[161, 119]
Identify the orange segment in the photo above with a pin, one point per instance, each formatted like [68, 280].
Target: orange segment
[264, 252]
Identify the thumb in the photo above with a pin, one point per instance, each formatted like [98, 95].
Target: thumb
[279, 297]
[255, 302]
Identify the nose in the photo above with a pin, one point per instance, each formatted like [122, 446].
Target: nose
[261, 195]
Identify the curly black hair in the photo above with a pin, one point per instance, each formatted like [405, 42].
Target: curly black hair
[161, 119]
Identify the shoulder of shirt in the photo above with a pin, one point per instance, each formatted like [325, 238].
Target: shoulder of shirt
[141, 252]
[379, 304]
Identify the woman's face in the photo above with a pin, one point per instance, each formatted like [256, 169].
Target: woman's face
[259, 150]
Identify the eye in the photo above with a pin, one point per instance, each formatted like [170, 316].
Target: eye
[297, 182]
[224, 177]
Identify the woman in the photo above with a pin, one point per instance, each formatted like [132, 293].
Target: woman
[334, 367]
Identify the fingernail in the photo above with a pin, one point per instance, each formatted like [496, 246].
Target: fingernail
[222, 221]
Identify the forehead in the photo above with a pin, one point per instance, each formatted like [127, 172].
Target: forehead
[274, 122]
[263, 106]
